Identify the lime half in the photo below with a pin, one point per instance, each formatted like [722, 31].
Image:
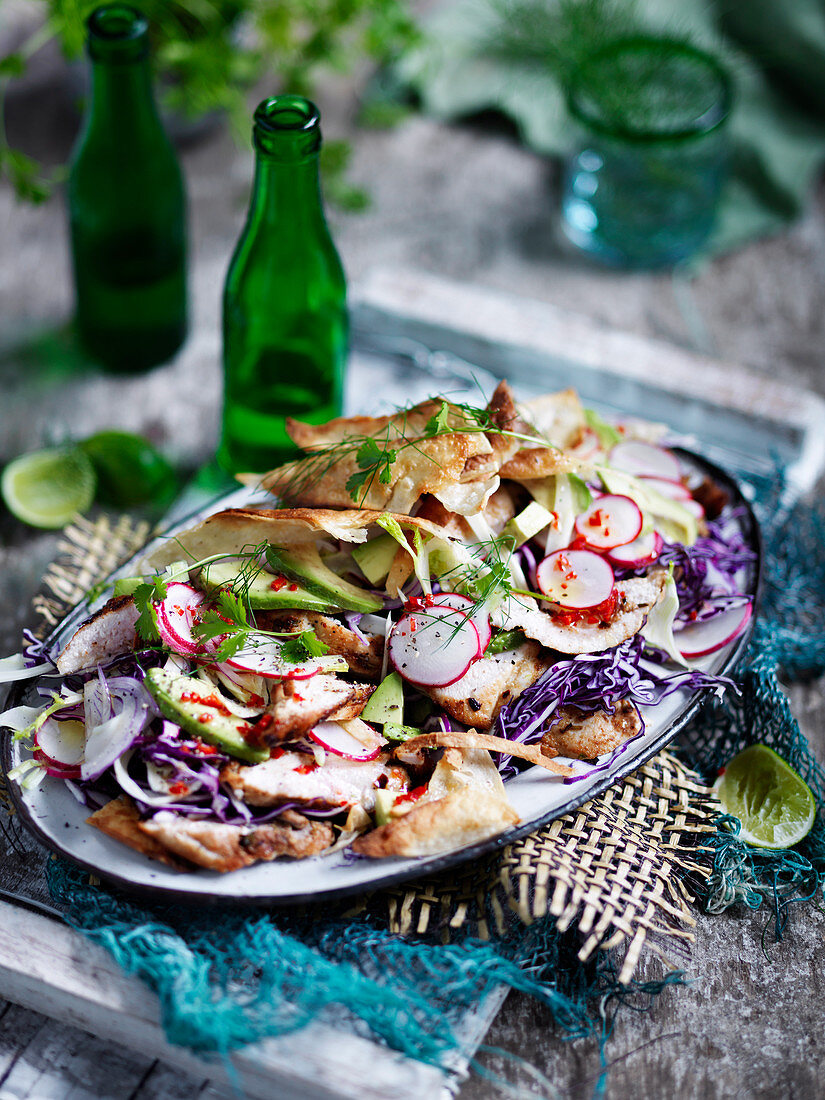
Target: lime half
[773, 803]
[48, 488]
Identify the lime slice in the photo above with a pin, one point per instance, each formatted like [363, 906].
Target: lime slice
[130, 471]
[774, 805]
[48, 488]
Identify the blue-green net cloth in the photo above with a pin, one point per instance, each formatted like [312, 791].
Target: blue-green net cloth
[229, 977]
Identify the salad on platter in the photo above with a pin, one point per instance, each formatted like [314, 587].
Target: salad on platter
[436, 601]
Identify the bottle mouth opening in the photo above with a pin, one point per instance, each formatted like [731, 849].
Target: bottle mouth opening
[118, 30]
[287, 113]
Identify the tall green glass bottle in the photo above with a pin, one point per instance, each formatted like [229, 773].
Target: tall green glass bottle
[126, 206]
[284, 305]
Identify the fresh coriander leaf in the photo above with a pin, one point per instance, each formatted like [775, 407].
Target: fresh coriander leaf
[438, 424]
[210, 624]
[232, 607]
[232, 644]
[302, 647]
[145, 625]
[159, 589]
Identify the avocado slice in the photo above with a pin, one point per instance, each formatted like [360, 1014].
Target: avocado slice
[303, 564]
[375, 558]
[177, 697]
[260, 591]
[534, 518]
[386, 704]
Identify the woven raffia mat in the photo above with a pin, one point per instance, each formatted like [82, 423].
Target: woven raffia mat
[616, 867]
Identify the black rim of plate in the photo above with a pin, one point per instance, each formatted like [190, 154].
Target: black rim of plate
[425, 867]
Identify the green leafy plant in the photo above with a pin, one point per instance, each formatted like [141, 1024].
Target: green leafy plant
[210, 53]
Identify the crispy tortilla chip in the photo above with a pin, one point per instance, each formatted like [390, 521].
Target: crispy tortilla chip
[427, 465]
[463, 817]
[558, 417]
[457, 739]
[120, 820]
[231, 531]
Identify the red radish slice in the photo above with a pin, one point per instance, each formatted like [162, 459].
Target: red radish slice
[642, 551]
[577, 579]
[176, 616]
[610, 521]
[645, 460]
[64, 743]
[480, 618]
[706, 636]
[55, 769]
[261, 655]
[433, 651]
[675, 490]
[335, 739]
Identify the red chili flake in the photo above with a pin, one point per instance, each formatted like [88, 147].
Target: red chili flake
[179, 788]
[693, 615]
[411, 796]
[305, 769]
[562, 563]
[601, 613]
[204, 719]
[595, 519]
[278, 584]
[555, 521]
[293, 588]
[206, 701]
[571, 576]
[204, 749]
[276, 753]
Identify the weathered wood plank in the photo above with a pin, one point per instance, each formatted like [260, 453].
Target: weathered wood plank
[78, 983]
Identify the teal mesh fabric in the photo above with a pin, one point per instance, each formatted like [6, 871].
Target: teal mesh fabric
[228, 977]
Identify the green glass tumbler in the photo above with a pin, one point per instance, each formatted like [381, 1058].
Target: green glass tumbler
[642, 187]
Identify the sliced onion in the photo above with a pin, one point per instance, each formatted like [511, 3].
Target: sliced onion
[131, 709]
[612, 520]
[130, 787]
[433, 651]
[577, 579]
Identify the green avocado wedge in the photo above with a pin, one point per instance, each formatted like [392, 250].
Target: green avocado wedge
[178, 698]
[262, 596]
[304, 565]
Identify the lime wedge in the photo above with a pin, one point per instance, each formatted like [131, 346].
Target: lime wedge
[774, 804]
[130, 471]
[48, 488]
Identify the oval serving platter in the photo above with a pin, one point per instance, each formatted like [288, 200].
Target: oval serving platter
[58, 820]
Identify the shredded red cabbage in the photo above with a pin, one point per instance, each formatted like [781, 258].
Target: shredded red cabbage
[706, 573]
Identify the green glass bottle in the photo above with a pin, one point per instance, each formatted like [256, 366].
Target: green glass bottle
[126, 206]
[284, 306]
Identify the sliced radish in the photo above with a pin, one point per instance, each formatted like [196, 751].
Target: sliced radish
[642, 551]
[577, 579]
[645, 460]
[63, 743]
[176, 615]
[667, 487]
[54, 768]
[610, 521]
[707, 635]
[433, 650]
[588, 446]
[480, 618]
[261, 655]
[335, 739]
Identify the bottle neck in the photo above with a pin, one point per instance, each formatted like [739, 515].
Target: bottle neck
[122, 97]
[286, 195]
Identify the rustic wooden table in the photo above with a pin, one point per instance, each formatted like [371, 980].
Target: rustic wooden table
[471, 205]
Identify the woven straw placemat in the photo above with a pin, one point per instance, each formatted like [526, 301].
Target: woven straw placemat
[618, 868]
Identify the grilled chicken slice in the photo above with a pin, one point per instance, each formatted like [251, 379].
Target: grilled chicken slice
[636, 598]
[489, 684]
[585, 736]
[363, 660]
[298, 705]
[296, 777]
[109, 633]
[229, 847]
